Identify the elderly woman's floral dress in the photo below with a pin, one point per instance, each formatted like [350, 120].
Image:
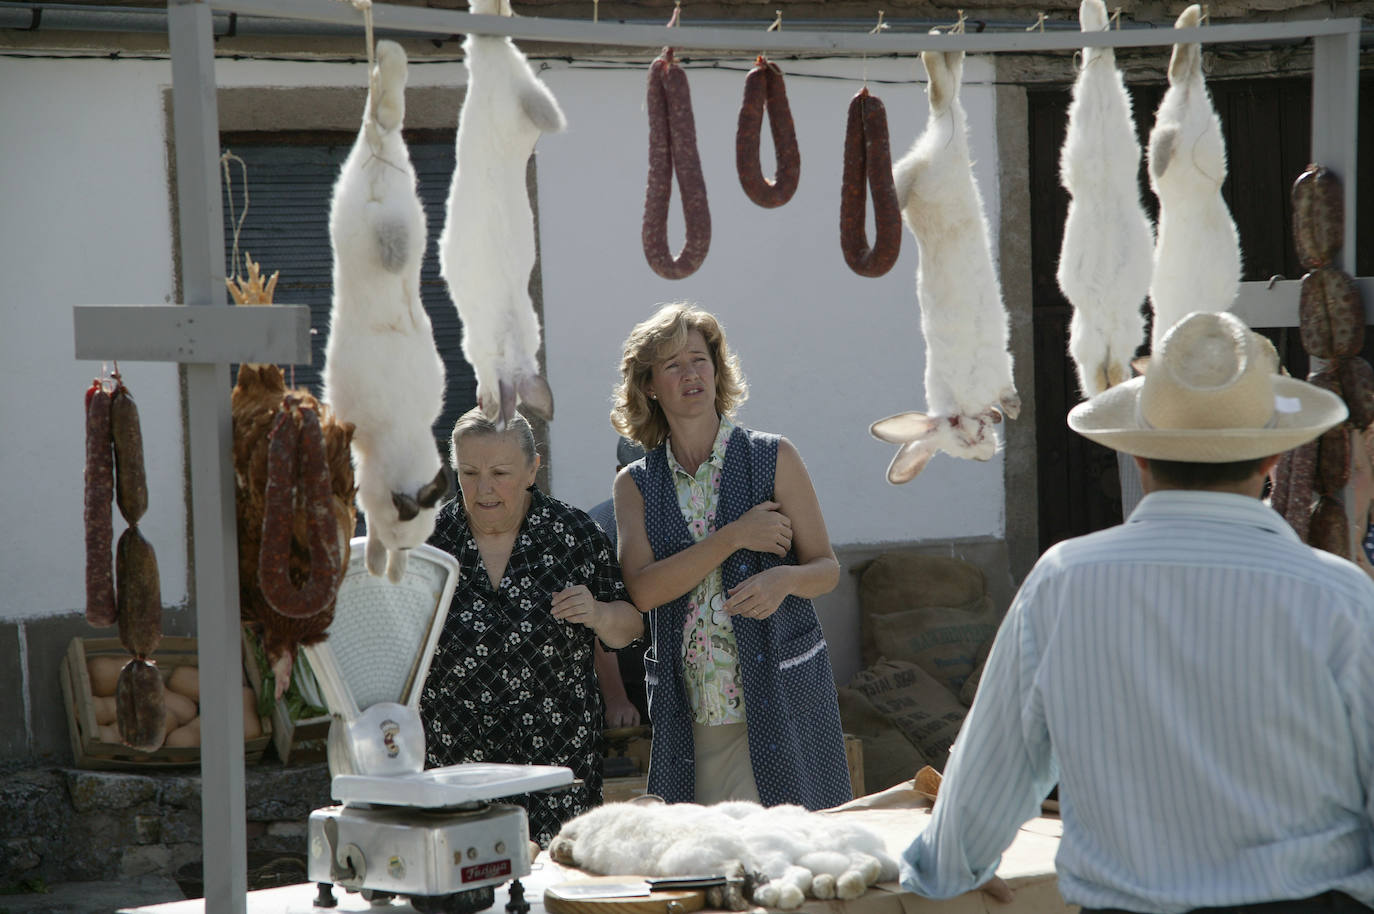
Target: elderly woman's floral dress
[509, 682]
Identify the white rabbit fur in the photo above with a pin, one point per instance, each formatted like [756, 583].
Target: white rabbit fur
[382, 372]
[801, 854]
[1108, 249]
[968, 376]
[487, 248]
[1197, 255]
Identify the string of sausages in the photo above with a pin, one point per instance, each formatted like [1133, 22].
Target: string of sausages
[298, 486]
[132, 597]
[673, 151]
[1331, 327]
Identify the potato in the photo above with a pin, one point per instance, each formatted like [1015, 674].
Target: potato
[180, 709]
[186, 735]
[104, 670]
[185, 680]
[252, 725]
[104, 706]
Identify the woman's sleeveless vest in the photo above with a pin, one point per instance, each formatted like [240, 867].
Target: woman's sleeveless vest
[796, 744]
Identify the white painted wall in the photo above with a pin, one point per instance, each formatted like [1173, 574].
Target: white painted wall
[85, 220]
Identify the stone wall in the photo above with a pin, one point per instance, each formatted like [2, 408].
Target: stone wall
[68, 825]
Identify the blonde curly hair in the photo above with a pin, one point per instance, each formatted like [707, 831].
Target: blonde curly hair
[636, 416]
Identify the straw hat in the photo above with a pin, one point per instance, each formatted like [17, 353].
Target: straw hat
[1212, 394]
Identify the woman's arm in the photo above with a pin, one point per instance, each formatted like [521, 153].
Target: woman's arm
[616, 622]
[817, 570]
[620, 711]
[763, 528]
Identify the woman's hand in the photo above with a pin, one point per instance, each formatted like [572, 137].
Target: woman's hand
[576, 605]
[620, 712]
[764, 528]
[760, 595]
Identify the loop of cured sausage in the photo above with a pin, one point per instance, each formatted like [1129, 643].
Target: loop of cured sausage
[764, 90]
[868, 168]
[673, 150]
[297, 471]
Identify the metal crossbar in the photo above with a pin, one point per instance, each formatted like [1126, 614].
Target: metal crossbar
[795, 39]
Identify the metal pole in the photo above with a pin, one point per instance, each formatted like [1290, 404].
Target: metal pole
[1335, 119]
[210, 430]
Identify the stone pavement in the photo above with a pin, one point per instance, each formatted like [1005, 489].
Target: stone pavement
[93, 897]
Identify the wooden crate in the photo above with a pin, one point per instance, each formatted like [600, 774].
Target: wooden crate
[88, 751]
[296, 741]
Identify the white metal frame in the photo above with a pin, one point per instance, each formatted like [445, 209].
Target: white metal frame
[278, 335]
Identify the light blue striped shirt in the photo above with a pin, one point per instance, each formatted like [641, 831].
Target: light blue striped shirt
[1201, 686]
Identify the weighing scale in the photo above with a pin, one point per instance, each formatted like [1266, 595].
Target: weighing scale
[436, 836]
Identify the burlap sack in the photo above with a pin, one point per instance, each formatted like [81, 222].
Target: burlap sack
[923, 709]
[889, 757]
[901, 581]
[942, 640]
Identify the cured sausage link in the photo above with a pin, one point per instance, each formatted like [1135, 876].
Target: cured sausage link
[764, 90]
[868, 168]
[673, 150]
[1318, 217]
[296, 470]
[131, 481]
[99, 511]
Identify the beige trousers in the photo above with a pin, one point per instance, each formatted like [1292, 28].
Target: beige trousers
[724, 771]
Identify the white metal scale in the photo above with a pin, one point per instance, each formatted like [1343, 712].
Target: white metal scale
[436, 837]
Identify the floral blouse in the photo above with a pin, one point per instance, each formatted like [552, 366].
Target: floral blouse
[710, 657]
[508, 681]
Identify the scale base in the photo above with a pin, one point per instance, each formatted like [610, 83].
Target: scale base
[426, 854]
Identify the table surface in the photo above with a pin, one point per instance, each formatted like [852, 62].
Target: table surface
[898, 814]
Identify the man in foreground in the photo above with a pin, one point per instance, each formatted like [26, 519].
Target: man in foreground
[1198, 681]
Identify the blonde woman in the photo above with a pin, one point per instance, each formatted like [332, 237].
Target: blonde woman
[722, 542]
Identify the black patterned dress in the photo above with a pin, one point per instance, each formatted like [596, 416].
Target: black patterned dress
[509, 682]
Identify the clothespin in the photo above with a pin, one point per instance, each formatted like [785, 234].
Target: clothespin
[776, 26]
[1115, 19]
[881, 26]
[677, 15]
[1038, 25]
[1206, 17]
[958, 27]
[596, 10]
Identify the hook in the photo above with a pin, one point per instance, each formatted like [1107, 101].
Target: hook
[1115, 19]
[677, 15]
[881, 26]
[1038, 25]
[777, 22]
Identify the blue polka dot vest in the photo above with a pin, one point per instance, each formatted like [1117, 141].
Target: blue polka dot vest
[796, 744]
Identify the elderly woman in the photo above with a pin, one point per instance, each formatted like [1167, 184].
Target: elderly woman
[723, 542]
[512, 677]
